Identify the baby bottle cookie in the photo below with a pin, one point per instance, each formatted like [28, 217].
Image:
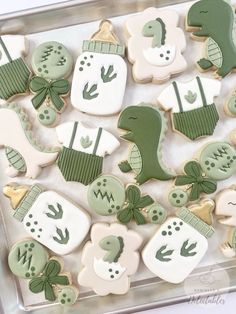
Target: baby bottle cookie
[24, 153]
[145, 155]
[84, 148]
[179, 244]
[48, 217]
[51, 62]
[109, 259]
[191, 103]
[14, 73]
[220, 49]
[155, 45]
[100, 74]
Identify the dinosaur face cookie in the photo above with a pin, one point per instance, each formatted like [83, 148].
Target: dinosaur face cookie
[100, 74]
[194, 113]
[109, 259]
[178, 246]
[155, 45]
[220, 49]
[145, 155]
[226, 206]
[46, 216]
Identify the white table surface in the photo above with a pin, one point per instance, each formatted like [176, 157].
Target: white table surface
[228, 302]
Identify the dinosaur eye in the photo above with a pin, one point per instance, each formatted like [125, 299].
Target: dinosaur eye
[149, 26]
[108, 242]
[133, 118]
[204, 12]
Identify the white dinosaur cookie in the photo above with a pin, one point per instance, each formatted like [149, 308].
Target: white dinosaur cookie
[49, 217]
[100, 74]
[155, 45]
[23, 151]
[109, 259]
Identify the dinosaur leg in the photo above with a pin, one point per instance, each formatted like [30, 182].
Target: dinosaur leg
[224, 70]
[141, 178]
[125, 166]
[205, 64]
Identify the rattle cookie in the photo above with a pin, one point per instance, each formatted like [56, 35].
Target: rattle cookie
[84, 148]
[14, 73]
[48, 217]
[220, 50]
[24, 153]
[109, 259]
[180, 243]
[100, 74]
[51, 62]
[191, 103]
[29, 260]
[145, 158]
[155, 45]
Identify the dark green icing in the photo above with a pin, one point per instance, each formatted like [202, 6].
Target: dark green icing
[90, 92]
[163, 255]
[109, 75]
[114, 246]
[187, 249]
[62, 238]
[55, 213]
[156, 29]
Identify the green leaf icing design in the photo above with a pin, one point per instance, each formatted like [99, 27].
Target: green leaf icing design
[85, 141]
[191, 97]
[125, 166]
[89, 93]
[114, 246]
[109, 75]
[156, 29]
[125, 216]
[15, 159]
[62, 238]
[55, 213]
[163, 255]
[187, 249]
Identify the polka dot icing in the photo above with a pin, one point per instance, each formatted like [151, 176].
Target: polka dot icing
[68, 296]
[178, 197]
[47, 116]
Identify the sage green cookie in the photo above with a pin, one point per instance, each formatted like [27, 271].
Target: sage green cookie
[157, 214]
[106, 195]
[67, 296]
[52, 60]
[47, 116]
[231, 106]
[218, 160]
[178, 197]
[27, 259]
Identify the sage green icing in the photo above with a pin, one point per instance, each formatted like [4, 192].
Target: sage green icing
[52, 60]
[15, 159]
[191, 97]
[157, 214]
[106, 195]
[221, 50]
[156, 29]
[233, 239]
[47, 116]
[231, 105]
[114, 246]
[103, 47]
[134, 160]
[62, 236]
[218, 160]
[90, 92]
[27, 259]
[164, 255]
[178, 197]
[187, 249]
[67, 296]
[109, 75]
[86, 142]
[55, 212]
[148, 140]
[185, 214]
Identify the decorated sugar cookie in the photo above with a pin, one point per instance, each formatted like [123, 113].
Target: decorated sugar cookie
[155, 45]
[100, 74]
[191, 103]
[109, 259]
[230, 105]
[84, 148]
[24, 153]
[180, 243]
[51, 62]
[220, 48]
[49, 217]
[145, 155]
[14, 73]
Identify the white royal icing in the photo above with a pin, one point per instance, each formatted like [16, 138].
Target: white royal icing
[162, 56]
[226, 207]
[104, 270]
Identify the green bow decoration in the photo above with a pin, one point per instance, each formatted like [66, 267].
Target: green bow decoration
[195, 178]
[52, 90]
[48, 280]
[134, 202]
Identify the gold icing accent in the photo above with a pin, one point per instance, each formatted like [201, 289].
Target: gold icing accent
[15, 193]
[204, 210]
[105, 33]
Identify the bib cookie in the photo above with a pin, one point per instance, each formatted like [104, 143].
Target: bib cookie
[194, 113]
[155, 45]
[178, 245]
[100, 74]
[220, 49]
[109, 259]
[24, 153]
[84, 148]
[145, 155]
[46, 216]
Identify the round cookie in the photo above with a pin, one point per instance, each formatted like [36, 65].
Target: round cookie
[47, 116]
[230, 106]
[178, 197]
[27, 259]
[106, 195]
[68, 296]
[157, 214]
[52, 60]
